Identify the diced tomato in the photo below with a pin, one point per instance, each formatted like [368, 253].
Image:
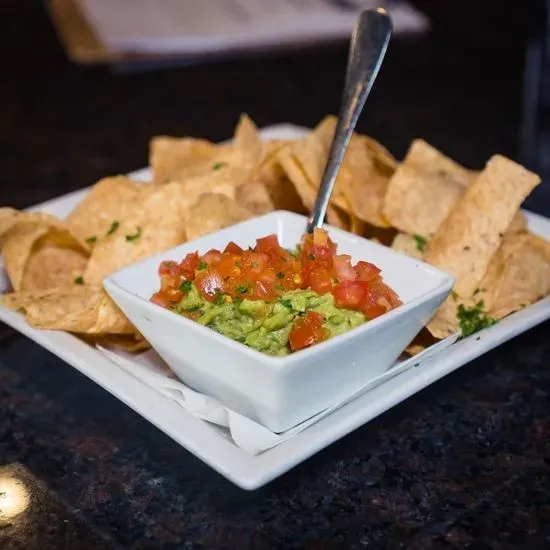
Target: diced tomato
[379, 299]
[392, 296]
[318, 247]
[372, 311]
[366, 271]
[233, 248]
[319, 280]
[230, 265]
[210, 284]
[254, 263]
[174, 295]
[265, 244]
[383, 291]
[343, 269]
[188, 266]
[320, 237]
[160, 299]
[212, 257]
[373, 303]
[166, 282]
[262, 291]
[307, 330]
[166, 266]
[349, 294]
[268, 276]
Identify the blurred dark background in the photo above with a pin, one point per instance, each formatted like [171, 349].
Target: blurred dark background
[473, 86]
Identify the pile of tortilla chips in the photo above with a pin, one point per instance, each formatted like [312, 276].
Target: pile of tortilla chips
[429, 207]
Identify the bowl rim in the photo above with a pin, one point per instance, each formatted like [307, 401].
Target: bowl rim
[445, 285]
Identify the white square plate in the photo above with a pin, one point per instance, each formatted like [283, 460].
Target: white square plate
[211, 444]
[281, 392]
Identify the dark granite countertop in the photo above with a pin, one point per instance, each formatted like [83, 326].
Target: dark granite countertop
[463, 464]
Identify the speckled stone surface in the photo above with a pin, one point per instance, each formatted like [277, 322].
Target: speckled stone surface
[463, 464]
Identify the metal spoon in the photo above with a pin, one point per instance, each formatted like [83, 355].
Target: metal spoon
[369, 42]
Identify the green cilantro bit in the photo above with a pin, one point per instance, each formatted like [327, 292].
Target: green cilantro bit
[203, 265]
[280, 275]
[242, 289]
[421, 242]
[473, 319]
[114, 226]
[454, 295]
[219, 165]
[279, 287]
[295, 253]
[78, 281]
[193, 308]
[91, 240]
[220, 298]
[286, 303]
[135, 236]
[185, 286]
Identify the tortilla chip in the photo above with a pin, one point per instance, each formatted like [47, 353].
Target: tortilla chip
[307, 193]
[55, 261]
[247, 139]
[110, 199]
[42, 254]
[409, 245]
[270, 149]
[272, 176]
[424, 190]
[338, 217]
[468, 238]
[361, 183]
[357, 225]
[131, 343]
[17, 249]
[422, 341]
[518, 275]
[381, 155]
[211, 213]
[518, 224]
[173, 159]
[8, 216]
[415, 245]
[80, 309]
[158, 224]
[182, 159]
[253, 196]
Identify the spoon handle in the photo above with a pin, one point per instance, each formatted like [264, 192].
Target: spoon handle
[369, 42]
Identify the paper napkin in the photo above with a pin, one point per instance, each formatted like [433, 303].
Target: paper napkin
[247, 434]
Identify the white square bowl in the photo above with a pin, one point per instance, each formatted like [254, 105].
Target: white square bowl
[281, 392]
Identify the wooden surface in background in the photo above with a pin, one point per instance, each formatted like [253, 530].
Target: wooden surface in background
[81, 43]
[79, 40]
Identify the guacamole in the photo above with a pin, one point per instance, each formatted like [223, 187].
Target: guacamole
[266, 326]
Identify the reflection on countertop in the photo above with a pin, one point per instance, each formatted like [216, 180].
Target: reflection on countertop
[14, 498]
[32, 518]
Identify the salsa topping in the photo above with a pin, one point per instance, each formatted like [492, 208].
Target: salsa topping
[330, 286]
